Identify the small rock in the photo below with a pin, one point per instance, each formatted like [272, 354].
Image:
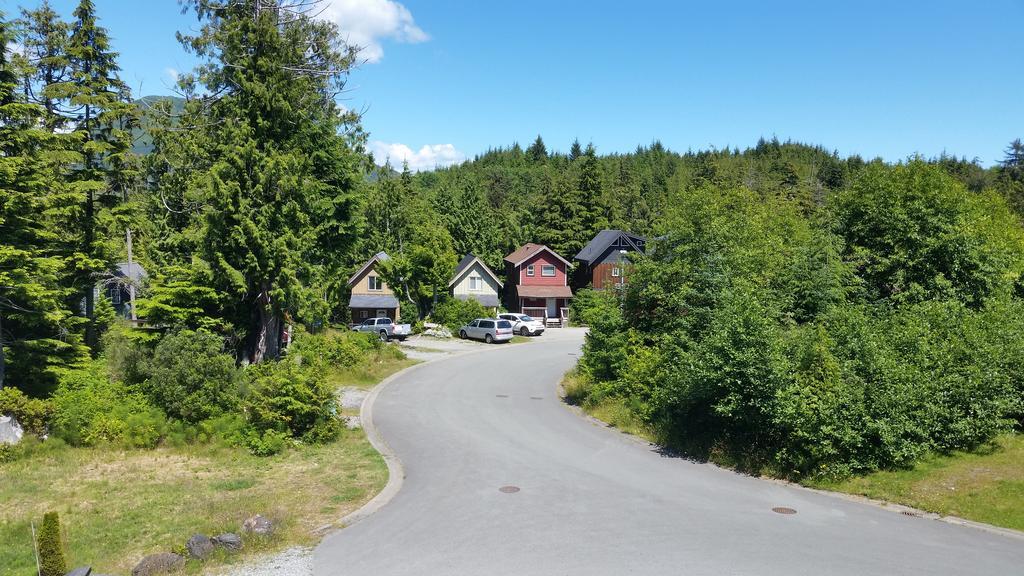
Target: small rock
[161, 563]
[80, 571]
[441, 332]
[10, 431]
[258, 525]
[228, 541]
[199, 546]
[353, 422]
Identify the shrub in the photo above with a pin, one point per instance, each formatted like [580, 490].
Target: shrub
[267, 443]
[455, 313]
[591, 306]
[191, 378]
[335, 348]
[32, 413]
[292, 399]
[89, 409]
[51, 548]
[128, 354]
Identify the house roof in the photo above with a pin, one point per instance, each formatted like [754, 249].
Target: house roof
[604, 240]
[136, 272]
[467, 263]
[487, 300]
[378, 257]
[529, 250]
[372, 301]
[532, 291]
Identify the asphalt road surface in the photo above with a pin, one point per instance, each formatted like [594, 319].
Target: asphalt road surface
[594, 502]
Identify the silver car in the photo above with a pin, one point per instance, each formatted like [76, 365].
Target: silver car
[523, 324]
[487, 329]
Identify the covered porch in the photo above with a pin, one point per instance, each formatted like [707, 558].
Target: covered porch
[550, 303]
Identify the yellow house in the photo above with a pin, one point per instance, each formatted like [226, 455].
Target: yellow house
[474, 280]
[371, 296]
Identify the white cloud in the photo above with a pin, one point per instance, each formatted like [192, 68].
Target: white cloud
[171, 73]
[426, 158]
[366, 23]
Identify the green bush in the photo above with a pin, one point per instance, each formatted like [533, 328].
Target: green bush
[591, 306]
[89, 409]
[191, 378]
[32, 413]
[292, 399]
[335, 348]
[454, 313]
[266, 443]
[51, 547]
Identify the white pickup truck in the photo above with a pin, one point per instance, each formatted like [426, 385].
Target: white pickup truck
[384, 328]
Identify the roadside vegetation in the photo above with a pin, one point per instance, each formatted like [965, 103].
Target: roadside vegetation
[866, 331]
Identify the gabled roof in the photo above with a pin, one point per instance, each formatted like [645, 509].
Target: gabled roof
[529, 250]
[136, 272]
[372, 301]
[465, 264]
[605, 239]
[378, 257]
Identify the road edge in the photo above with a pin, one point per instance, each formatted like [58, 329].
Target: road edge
[883, 504]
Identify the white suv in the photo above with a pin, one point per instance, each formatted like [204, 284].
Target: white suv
[524, 325]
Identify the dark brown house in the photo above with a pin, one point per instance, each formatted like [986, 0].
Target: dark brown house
[605, 259]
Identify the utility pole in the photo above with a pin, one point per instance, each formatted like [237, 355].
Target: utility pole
[131, 274]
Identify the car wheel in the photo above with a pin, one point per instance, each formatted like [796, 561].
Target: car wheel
[487, 338]
[383, 336]
[524, 331]
[462, 334]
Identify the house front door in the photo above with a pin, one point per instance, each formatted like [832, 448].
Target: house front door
[552, 308]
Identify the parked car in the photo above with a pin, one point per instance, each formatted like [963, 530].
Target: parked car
[524, 324]
[487, 329]
[385, 328]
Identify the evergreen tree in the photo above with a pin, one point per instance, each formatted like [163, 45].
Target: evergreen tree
[537, 152]
[96, 104]
[35, 335]
[46, 65]
[575, 151]
[279, 215]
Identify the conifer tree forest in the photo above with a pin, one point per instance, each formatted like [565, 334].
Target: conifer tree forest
[815, 312]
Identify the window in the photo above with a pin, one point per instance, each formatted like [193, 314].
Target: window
[364, 314]
[529, 270]
[475, 283]
[487, 323]
[616, 271]
[504, 324]
[381, 313]
[375, 283]
[115, 294]
[547, 270]
[474, 323]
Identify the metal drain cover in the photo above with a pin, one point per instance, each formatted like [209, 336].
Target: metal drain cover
[501, 395]
[509, 489]
[783, 510]
[536, 397]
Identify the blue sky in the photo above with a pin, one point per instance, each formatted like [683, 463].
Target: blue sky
[449, 79]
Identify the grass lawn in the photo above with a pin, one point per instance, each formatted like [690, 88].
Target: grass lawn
[117, 506]
[986, 485]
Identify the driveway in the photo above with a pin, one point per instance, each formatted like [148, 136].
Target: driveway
[592, 501]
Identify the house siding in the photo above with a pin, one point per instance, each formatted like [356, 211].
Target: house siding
[539, 260]
[488, 288]
[361, 287]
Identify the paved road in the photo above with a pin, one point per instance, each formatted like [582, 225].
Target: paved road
[593, 502]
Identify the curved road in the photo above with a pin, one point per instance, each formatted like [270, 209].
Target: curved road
[595, 502]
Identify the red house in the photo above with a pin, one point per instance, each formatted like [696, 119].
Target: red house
[539, 283]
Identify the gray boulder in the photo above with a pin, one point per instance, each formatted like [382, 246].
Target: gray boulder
[259, 525]
[10, 431]
[161, 563]
[80, 571]
[228, 541]
[199, 546]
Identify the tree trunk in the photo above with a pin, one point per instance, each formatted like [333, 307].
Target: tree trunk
[268, 330]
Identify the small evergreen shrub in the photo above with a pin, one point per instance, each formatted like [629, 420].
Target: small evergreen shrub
[32, 413]
[191, 378]
[454, 313]
[292, 399]
[51, 548]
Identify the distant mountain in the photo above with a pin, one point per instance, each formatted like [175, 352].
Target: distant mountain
[142, 143]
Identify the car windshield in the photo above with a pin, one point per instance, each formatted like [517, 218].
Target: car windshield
[526, 318]
[504, 324]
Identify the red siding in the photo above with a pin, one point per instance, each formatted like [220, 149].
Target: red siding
[539, 260]
[602, 275]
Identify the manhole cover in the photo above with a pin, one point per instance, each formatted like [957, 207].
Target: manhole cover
[783, 510]
[502, 395]
[509, 489]
[536, 397]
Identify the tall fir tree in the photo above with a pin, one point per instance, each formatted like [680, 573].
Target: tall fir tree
[44, 58]
[279, 214]
[537, 152]
[96, 105]
[36, 329]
